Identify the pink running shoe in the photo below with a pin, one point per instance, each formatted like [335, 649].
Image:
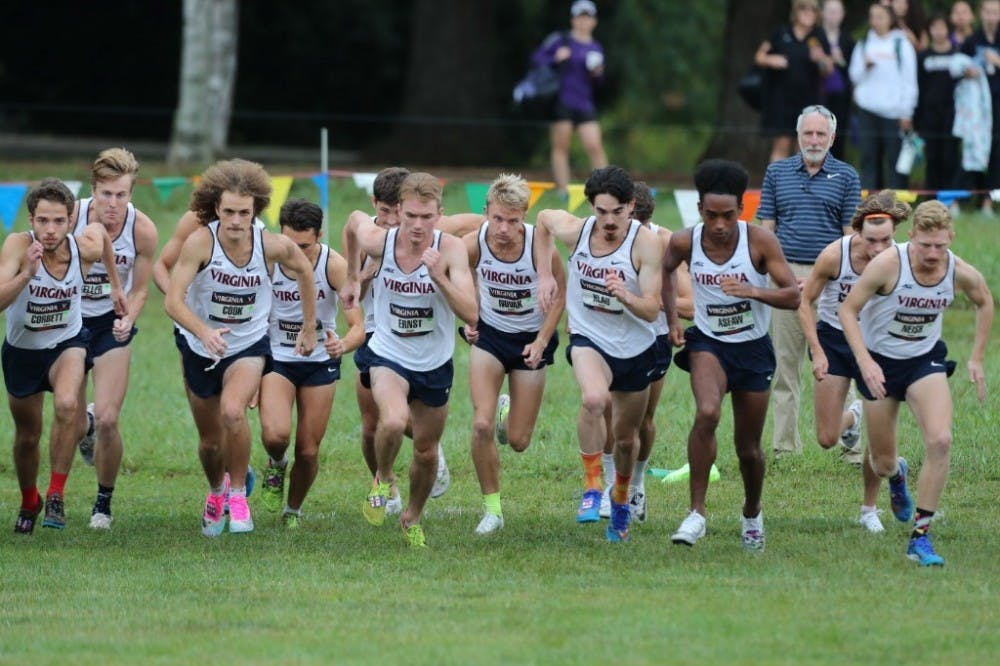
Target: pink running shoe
[239, 514]
[213, 521]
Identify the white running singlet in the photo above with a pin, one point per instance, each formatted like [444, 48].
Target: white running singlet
[47, 311]
[224, 295]
[907, 322]
[97, 286]
[836, 290]
[508, 291]
[414, 325]
[286, 312]
[727, 318]
[593, 312]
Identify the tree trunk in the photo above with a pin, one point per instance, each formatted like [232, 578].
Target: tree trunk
[207, 79]
[737, 126]
[450, 86]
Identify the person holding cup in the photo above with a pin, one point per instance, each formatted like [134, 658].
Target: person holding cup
[580, 61]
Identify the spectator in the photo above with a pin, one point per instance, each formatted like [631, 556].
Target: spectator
[935, 114]
[791, 57]
[883, 70]
[962, 22]
[983, 47]
[836, 91]
[910, 19]
[807, 200]
[581, 66]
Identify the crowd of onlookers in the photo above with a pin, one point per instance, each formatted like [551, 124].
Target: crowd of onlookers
[910, 82]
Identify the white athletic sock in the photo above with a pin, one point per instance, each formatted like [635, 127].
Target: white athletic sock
[608, 465]
[236, 492]
[868, 509]
[288, 509]
[638, 474]
[279, 463]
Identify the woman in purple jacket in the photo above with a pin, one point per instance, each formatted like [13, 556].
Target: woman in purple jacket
[580, 60]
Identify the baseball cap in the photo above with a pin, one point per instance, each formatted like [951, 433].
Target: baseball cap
[583, 7]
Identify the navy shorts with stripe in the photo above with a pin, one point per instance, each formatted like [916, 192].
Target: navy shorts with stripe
[26, 371]
[899, 373]
[664, 354]
[508, 348]
[839, 357]
[627, 374]
[749, 366]
[362, 361]
[204, 380]
[430, 387]
[308, 373]
[102, 340]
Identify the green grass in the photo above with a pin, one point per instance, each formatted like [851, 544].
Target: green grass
[545, 590]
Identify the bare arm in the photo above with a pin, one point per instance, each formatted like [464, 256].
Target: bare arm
[448, 267]
[95, 244]
[187, 225]
[360, 235]
[145, 249]
[785, 295]
[195, 252]
[564, 226]
[823, 271]
[646, 253]
[880, 273]
[533, 351]
[336, 274]
[460, 224]
[678, 251]
[293, 261]
[19, 260]
[971, 282]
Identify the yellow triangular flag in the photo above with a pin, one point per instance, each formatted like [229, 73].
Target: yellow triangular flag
[537, 189]
[576, 197]
[280, 186]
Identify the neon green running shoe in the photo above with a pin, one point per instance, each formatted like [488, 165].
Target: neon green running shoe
[374, 506]
[415, 535]
[273, 492]
[290, 521]
[503, 407]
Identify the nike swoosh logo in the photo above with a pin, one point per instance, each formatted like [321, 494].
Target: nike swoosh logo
[331, 369]
[520, 270]
[935, 364]
[831, 175]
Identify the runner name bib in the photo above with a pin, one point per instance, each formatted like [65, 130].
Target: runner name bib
[407, 322]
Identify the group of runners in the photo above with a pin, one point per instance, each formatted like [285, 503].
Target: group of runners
[256, 312]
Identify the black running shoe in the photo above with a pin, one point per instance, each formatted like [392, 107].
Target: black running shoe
[25, 523]
[55, 514]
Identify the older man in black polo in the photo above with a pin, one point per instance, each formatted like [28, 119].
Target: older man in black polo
[807, 200]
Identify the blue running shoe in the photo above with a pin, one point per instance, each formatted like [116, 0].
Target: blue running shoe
[922, 551]
[618, 530]
[899, 495]
[251, 480]
[590, 507]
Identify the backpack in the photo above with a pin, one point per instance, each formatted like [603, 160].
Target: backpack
[540, 86]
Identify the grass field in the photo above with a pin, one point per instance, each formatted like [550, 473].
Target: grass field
[545, 590]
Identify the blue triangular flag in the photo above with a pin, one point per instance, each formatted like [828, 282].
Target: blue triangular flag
[11, 195]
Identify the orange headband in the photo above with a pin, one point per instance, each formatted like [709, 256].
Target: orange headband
[877, 216]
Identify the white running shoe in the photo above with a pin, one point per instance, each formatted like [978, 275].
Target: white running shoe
[443, 479]
[100, 521]
[692, 529]
[637, 504]
[604, 510]
[753, 532]
[871, 522]
[489, 524]
[849, 438]
[394, 505]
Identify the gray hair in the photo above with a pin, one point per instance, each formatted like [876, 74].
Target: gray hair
[821, 110]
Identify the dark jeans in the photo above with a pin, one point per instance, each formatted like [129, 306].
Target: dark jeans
[880, 144]
[940, 149]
